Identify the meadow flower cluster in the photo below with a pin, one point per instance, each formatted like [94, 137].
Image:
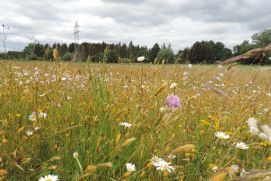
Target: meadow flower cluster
[81, 121]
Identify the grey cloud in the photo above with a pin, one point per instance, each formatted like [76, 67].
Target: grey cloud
[180, 22]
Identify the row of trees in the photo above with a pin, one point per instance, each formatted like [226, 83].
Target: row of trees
[200, 52]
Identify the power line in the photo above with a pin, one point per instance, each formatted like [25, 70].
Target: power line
[4, 35]
[76, 40]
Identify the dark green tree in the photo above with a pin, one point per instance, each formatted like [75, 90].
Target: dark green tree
[154, 52]
[202, 52]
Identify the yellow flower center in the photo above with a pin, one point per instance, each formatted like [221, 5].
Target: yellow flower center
[48, 179]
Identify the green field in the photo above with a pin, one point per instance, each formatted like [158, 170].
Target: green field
[71, 120]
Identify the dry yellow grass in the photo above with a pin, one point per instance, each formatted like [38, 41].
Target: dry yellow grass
[87, 103]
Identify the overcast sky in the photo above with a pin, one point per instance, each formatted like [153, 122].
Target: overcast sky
[179, 22]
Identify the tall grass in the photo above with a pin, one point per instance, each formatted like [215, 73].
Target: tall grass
[86, 103]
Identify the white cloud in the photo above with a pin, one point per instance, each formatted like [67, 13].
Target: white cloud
[179, 22]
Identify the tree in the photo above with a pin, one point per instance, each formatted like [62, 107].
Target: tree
[246, 46]
[67, 57]
[202, 52]
[166, 55]
[83, 52]
[35, 50]
[183, 56]
[110, 56]
[154, 52]
[62, 49]
[262, 39]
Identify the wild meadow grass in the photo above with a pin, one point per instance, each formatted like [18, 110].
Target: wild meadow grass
[82, 121]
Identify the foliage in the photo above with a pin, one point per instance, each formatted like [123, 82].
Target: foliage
[208, 52]
[34, 49]
[154, 52]
[202, 52]
[97, 58]
[166, 55]
[67, 56]
[262, 39]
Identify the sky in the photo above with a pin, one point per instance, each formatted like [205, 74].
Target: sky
[145, 22]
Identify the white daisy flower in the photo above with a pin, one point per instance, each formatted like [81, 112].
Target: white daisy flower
[241, 145]
[190, 66]
[222, 135]
[141, 59]
[125, 124]
[130, 167]
[49, 178]
[164, 166]
[161, 164]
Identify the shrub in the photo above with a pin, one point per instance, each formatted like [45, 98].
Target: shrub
[67, 57]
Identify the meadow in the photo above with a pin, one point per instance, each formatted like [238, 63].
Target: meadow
[80, 121]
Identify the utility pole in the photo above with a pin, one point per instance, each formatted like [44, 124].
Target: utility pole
[76, 40]
[4, 38]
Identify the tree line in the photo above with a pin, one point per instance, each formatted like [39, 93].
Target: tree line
[201, 52]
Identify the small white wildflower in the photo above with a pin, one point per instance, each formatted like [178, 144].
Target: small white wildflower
[218, 78]
[234, 169]
[32, 117]
[264, 137]
[253, 130]
[75, 155]
[49, 178]
[214, 168]
[266, 129]
[190, 66]
[130, 167]
[171, 156]
[141, 59]
[173, 85]
[42, 115]
[222, 135]
[163, 109]
[155, 160]
[29, 132]
[37, 128]
[125, 124]
[164, 166]
[241, 145]
[252, 122]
